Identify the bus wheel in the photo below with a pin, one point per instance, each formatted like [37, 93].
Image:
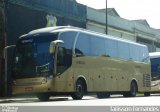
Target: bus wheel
[133, 89]
[43, 96]
[79, 91]
[103, 95]
[146, 94]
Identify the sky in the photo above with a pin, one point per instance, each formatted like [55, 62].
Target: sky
[131, 9]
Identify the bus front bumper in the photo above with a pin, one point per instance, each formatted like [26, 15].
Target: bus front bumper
[31, 85]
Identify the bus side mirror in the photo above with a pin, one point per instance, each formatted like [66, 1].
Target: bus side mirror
[53, 45]
[5, 50]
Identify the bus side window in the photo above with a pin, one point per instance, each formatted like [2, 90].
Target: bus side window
[83, 46]
[60, 57]
[97, 46]
[111, 48]
[134, 52]
[68, 38]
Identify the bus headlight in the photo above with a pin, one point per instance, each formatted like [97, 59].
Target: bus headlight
[44, 81]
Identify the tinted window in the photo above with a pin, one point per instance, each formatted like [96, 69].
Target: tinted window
[111, 48]
[68, 38]
[64, 56]
[83, 45]
[155, 66]
[144, 56]
[42, 55]
[97, 46]
[123, 50]
[134, 52]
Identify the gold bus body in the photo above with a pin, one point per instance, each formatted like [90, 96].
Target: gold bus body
[100, 73]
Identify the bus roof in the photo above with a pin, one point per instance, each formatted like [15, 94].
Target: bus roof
[76, 29]
[154, 54]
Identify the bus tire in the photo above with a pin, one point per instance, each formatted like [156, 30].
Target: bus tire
[103, 95]
[43, 96]
[78, 95]
[146, 94]
[133, 89]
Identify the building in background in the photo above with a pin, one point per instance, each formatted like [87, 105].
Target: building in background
[136, 30]
[18, 17]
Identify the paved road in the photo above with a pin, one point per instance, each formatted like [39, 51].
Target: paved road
[86, 101]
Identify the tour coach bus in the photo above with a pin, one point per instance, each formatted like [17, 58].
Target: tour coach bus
[155, 72]
[73, 61]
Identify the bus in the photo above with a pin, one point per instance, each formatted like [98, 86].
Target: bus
[155, 72]
[66, 60]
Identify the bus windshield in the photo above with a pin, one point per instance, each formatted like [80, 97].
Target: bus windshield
[155, 68]
[32, 57]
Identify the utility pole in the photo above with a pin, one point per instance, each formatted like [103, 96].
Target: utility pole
[106, 19]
